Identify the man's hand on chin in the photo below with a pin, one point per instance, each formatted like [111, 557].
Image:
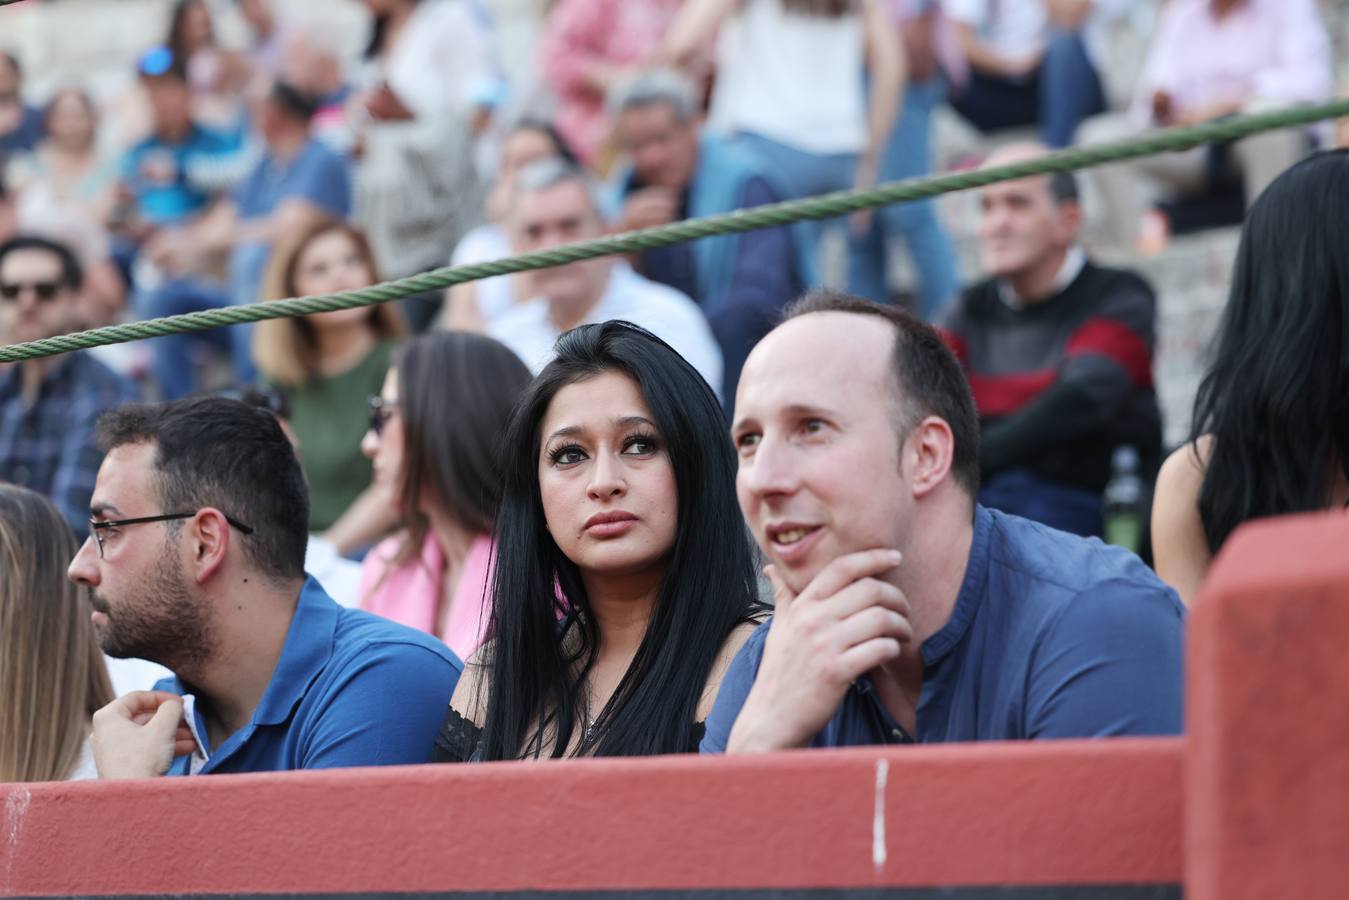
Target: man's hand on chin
[845, 623]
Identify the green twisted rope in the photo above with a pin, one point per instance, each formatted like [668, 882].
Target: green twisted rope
[768, 216]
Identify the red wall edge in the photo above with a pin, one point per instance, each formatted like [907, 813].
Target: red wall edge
[1267, 770]
[1071, 812]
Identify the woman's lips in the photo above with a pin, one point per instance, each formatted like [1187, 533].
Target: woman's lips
[610, 524]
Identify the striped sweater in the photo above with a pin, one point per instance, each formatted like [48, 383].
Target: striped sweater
[1060, 383]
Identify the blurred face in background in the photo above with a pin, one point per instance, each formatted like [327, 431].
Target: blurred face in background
[547, 217]
[330, 263]
[384, 442]
[71, 123]
[664, 151]
[170, 103]
[520, 148]
[35, 302]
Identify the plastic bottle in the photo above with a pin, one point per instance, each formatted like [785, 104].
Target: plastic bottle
[1124, 501]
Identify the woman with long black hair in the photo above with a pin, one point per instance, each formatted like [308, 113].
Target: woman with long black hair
[625, 577]
[1271, 423]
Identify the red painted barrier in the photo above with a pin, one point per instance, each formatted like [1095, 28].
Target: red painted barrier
[1264, 777]
[1268, 716]
[1066, 813]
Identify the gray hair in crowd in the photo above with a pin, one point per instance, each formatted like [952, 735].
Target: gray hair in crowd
[550, 172]
[656, 86]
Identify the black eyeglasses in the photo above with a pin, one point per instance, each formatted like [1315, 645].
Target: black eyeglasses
[97, 528]
[380, 411]
[43, 290]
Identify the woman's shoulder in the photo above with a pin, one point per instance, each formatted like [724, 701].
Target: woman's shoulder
[730, 647]
[1184, 469]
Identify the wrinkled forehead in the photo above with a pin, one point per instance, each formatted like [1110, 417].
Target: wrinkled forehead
[835, 361]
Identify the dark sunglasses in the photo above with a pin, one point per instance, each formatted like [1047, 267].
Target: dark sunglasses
[44, 290]
[380, 411]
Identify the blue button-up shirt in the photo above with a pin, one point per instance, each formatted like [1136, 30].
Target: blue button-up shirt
[1052, 636]
[350, 689]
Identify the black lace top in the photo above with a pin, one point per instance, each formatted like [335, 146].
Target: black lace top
[458, 740]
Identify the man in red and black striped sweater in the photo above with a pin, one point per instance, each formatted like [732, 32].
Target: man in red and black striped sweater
[1058, 351]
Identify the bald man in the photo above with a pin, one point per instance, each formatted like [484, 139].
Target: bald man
[1058, 351]
[905, 611]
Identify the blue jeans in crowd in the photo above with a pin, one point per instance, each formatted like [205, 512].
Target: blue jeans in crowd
[1022, 492]
[803, 174]
[1062, 92]
[173, 366]
[908, 155]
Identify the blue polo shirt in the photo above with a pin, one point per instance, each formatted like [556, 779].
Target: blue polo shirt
[172, 181]
[1052, 636]
[315, 175]
[350, 689]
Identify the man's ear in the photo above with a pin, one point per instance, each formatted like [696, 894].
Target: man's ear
[931, 450]
[210, 537]
[1070, 221]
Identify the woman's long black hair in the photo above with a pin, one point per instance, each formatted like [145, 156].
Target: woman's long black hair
[540, 648]
[1275, 399]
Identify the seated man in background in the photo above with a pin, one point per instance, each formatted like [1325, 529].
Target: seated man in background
[741, 281]
[1210, 59]
[48, 406]
[20, 124]
[859, 466]
[553, 204]
[199, 523]
[1058, 351]
[297, 182]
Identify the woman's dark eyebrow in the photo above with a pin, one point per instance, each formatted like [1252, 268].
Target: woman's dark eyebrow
[625, 421]
[566, 431]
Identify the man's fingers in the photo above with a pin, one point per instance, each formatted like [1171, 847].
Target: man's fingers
[864, 594]
[138, 706]
[868, 655]
[869, 624]
[846, 569]
[167, 719]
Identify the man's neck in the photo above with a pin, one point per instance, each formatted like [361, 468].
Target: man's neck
[32, 373]
[566, 316]
[930, 576]
[286, 145]
[250, 635]
[175, 134]
[1039, 282]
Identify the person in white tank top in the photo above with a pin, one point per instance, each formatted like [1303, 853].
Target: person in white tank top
[791, 85]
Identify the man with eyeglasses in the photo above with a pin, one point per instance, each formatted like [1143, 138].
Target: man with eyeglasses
[196, 562]
[48, 406]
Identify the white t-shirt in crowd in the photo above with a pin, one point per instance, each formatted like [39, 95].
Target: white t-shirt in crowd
[792, 78]
[670, 315]
[486, 243]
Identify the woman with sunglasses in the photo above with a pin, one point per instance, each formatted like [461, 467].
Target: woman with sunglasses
[433, 439]
[327, 364]
[625, 578]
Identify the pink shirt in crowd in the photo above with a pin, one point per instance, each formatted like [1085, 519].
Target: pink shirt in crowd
[581, 32]
[410, 593]
[1275, 50]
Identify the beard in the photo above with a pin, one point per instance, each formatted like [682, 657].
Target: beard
[159, 622]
